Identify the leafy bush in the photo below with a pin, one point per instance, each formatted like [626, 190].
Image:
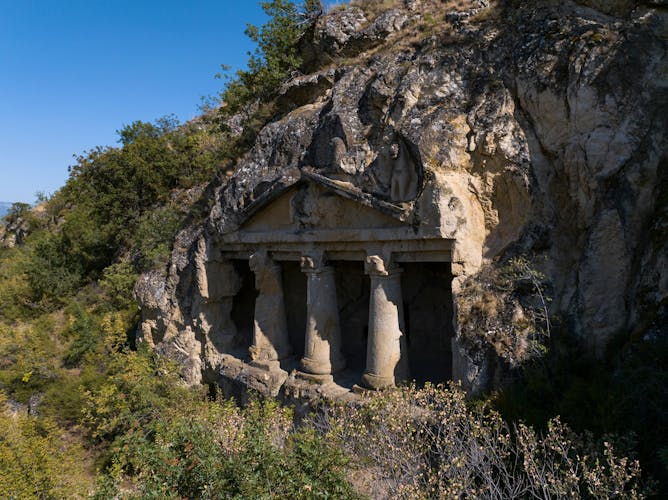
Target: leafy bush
[210, 450]
[83, 332]
[28, 359]
[118, 281]
[625, 394]
[118, 198]
[15, 292]
[35, 460]
[53, 272]
[169, 441]
[154, 236]
[16, 211]
[139, 386]
[63, 399]
[270, 64]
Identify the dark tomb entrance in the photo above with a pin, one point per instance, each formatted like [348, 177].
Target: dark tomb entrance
[352, 296]
[243, 309]
[294, 293]
[427, 296]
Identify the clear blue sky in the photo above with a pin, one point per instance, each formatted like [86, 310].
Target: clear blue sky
[72, 72]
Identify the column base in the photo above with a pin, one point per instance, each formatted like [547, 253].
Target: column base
[313, 367]
[359, 390]
[322, 379]
[268, 355]
[376, 382]
[265, 364]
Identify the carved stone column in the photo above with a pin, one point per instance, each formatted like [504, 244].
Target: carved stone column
[217, 283]
[322, 349]
[270, 331]
[386, 350]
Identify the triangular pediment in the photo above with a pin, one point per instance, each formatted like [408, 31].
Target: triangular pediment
[318, 202]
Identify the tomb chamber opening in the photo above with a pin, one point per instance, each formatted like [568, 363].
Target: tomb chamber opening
[352, 293]
[294, 289]
[243, 309]
[428, 318]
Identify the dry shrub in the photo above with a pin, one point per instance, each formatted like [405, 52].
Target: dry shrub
[429, 443]
[505, 308]
[372, 8]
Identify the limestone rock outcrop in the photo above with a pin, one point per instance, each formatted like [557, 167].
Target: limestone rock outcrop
[536, 131]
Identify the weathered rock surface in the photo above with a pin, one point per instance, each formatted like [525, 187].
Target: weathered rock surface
[14, 232]
[539, 131]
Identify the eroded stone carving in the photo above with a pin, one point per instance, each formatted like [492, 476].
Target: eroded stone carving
[377, 265]
[404, 181]
[270, 331]
[394, 174]
[340, 162]
[217, 283]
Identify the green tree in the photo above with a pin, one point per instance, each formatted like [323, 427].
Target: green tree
[17, 210]
[311, 10]
[276, 55]
[113, 191]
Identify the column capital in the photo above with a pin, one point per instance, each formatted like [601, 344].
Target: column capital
[267, 271]
[313, 261]
[380, 265]
[259, 259]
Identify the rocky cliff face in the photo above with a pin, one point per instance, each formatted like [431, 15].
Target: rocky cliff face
[536, 131]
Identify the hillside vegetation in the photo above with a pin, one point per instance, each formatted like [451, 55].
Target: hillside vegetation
[84, 411]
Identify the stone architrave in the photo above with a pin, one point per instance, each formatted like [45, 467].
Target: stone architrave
[386, 353]
[270, 331]
[322, 349]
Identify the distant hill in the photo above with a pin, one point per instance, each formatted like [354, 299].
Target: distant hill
[4, 208]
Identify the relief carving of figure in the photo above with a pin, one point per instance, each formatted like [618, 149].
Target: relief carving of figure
[340, 162]
[394, 173]
[404, 180]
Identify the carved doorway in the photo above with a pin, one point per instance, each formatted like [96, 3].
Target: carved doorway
[243, 309]
[294, 290]
[428, 310]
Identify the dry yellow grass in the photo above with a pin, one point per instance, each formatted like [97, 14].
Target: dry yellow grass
[432, 21]
[373, 8]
